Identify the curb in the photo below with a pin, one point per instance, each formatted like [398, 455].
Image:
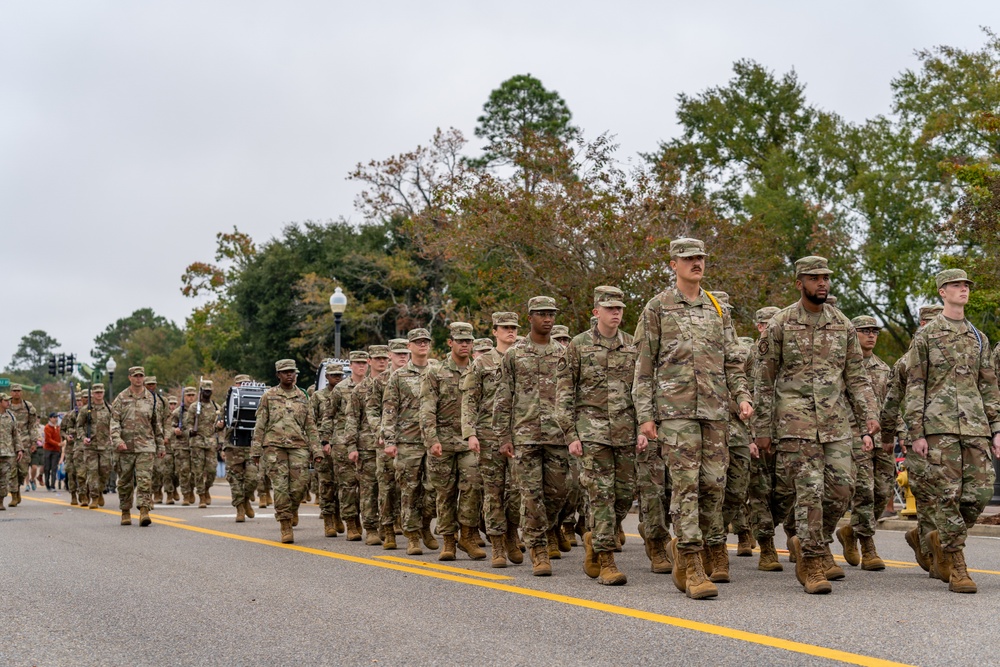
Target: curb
[978, 530]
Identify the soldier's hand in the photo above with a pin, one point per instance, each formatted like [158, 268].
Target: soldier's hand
[576, 448]
[256, 460]
[641, 443]
[746, 410]
[887, 447]
[122, 447]
[20, 455]
[436, 449]
[318, 459]
[507, 449]
[763, 444]
[754, 451]
[920, 446]
[86, 441]
[473, 443]
[177, 431]
[996, 445]
[192, 433]
[873, 426]
[352, 457]
[390, 451]
[327, 449]
[648, 429]
[867, 443]
[162, 454]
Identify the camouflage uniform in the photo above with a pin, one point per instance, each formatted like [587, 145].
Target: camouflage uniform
[388, 489]
[361, 438]
[11, 444]
[97, 418]
[168, 472]
[524, 414]
[332, 427]
[594, 399]
[576, 495]
[241, 470]
[809, 377]
[68, 428]
[455, 473]
[181, 447]
[204, 446]
[326, 470]
[285, 438]
[136, 424]
[27, 427]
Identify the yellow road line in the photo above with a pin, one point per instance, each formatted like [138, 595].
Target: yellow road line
[446, 568]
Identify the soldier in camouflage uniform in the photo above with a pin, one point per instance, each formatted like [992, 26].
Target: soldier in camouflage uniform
[360, 441]
[168, 469]
[285, 436]
[875, 469]
[404, 443]
[202, 422]
[809, 377]
[687, 369]
[69, 457]
[159, 470]
[597, 417]
[501, 497]
[388, 490]
[27, 427]
[333, 425]
[329, 499]
[452, 464]
[524, 420]
[95, 419]
[184, 463]
[952, 410]
[574, 515]
[241, 471]
[11, 446]
[137, 436]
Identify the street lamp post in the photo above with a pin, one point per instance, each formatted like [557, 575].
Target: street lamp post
[110, 368]
[338, 304]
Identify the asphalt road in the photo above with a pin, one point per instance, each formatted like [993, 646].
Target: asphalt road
[198, 589]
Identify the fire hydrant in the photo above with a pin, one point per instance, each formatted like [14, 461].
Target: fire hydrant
[903, 480]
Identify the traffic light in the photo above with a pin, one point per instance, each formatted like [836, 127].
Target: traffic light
[62, 364]
[52, 365]
[70, 364]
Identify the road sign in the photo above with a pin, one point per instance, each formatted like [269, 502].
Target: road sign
[4, 383]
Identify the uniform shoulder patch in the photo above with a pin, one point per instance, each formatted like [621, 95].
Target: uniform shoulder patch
[762, 346]
[561, 364]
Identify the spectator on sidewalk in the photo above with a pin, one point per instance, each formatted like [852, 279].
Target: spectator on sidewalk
[52, 451]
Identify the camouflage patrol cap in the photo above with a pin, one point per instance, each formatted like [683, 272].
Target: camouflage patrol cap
[150, 379]
[685, 247]
[482, 344]
[812, 266]
[136, 370]
[172, 400]
[398, 345]
[461, 331]
[242, 377]
[607, 296]
[97, 386]
[721, 297]
[378, 351]
[505, 318]
[560, 331]
[285, 365]
[206, 385]
[952, 276]
[541, 303]
[930, 312]
[746, 341]
[190, 391]
[16, 387]
[333, 369]
[831, 300]
[418, 334]
[4, 396]
[764, 315]
[865, 322]
[358, 355]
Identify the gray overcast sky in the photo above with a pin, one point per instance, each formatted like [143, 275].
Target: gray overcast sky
[131, 132]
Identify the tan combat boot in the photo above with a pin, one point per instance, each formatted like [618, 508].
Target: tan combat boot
[869, 557]
[100, 499]
[241, 513]
[659, 559]
[295, 517]
[144, 519]
[698, 586]
[371, 538]
[960, 581]
[169, 499]
[706, 560]
[353, 530]
[398, 527]
[514, 538]
[499, 557]
[849, 541]
[201, 502]
[941, 559]
[768, 556]
[591, 565]
[448, 550]
[163, 499]
[15, 498]
[795, 556]
[510, 540]
[540, 565]
[413, 543]
[389, 542]
[788, 545]
[562, 541]
[744, 546]
[126, 518]
[832, 571]
[610, 574]
[265, 500]
[329, 528]
[72, 499]
[816, 582]
[429, 541]
[187, 500]
[679, 574]
[287, 536]
[93, 503]
[248, 509]
[553, 545]
[619, 538]
[208, 497]
[913, 539]
[176, 495]
[468, 544]
[568, 536]
[720, 563]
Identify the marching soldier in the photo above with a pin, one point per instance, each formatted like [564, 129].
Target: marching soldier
[388, 490]
[137, 436]
[184, 460]
[202, 422]
[27, 428]
[329, 498]
[11, 446]
[241, 471]
[95, 420]
[360, 440]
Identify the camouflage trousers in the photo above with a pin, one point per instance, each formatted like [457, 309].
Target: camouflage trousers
[654, 490]
[416, 495]
[98, 470]
[771, 493]
[960, 478]
[824, 482]
[368, 489]
[874, 478]
[697, 457]
[203, 464]
[165, 470]
[734, 504]
[70, 462]
[287, 469]
[576, 495]
[263, 482]
[326, 477]
[346, 474]
[609, 478]
[916, 471]
[501, 497]
[388, 490]
[541, 471]
[455, 478]
[135, 476]
[7, 463]
[19, 471]
[241, 473]
[80, 469]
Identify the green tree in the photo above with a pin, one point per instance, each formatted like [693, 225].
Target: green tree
[112, 341]
[32, 356]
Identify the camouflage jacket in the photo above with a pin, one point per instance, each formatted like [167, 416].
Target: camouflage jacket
[479, 392]
[68, 428]
[136, 421]
[594, 390]
[284, 420]
[805, 372]
[890, 418]
[317, 403]
[740, 432]
[358, 434]
[27, 423]
[951, 386]
[524, 412]
[373, 405]
[333, 424]
[182, 441]
[210, 415]
[10, 438]
[688, 361]
[401, 406]
[99, 418]
[441, 406]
